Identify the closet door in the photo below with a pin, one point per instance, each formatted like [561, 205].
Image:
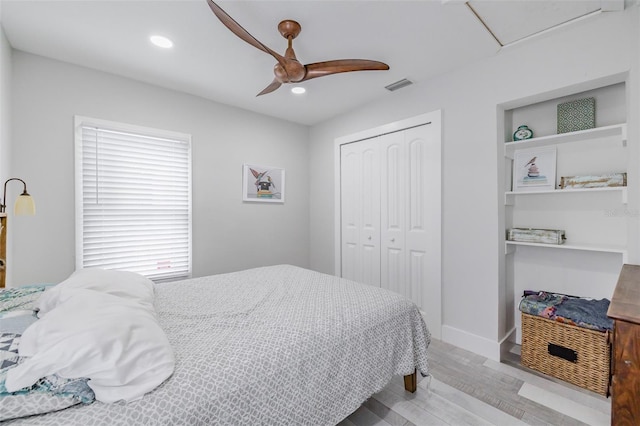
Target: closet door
[423, 195]
[393, 181]
[360, 199]
[423, 222]
[350, 181]
[390, 213]
[410, 214]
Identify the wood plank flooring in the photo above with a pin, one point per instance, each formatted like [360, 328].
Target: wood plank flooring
[468, 389]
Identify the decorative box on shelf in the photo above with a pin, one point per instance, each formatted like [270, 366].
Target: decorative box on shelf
[531, 235]
[609, 180]
[576, 115]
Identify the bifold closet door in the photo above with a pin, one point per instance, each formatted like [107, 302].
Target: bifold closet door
[390, 213]
[410, 214]
[393, 181]
[360, 211]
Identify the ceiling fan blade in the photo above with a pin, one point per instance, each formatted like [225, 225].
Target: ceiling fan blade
[235, 28]
[320, 69]
[270, 88]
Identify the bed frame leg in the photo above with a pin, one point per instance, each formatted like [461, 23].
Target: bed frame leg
[411, 382]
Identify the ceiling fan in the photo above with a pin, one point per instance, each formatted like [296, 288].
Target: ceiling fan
[288, 69]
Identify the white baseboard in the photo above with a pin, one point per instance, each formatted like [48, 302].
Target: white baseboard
[471, 342]
[506, 344]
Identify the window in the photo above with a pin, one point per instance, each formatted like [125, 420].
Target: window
[133, 199]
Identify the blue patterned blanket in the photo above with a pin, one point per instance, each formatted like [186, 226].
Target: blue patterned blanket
[50, 393]
[578, 311]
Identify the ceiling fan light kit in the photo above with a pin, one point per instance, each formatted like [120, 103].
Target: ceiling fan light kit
[161, 41]
[288, 69]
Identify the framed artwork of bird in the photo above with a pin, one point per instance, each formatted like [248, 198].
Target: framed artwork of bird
[534, 169]
[262, 183]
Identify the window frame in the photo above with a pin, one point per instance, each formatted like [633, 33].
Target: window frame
[82, 121]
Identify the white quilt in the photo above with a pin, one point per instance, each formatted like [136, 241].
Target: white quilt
[277, 345]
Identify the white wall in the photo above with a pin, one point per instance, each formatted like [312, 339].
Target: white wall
[5, 123]
[228, 234]
[5, 105]
[473, 281]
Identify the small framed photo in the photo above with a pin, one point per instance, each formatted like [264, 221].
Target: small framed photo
[263, 184]
[534, 169]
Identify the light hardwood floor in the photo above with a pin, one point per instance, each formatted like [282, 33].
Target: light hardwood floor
[468, 389]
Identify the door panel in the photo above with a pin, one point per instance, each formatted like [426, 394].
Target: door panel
[360, 207]
[350, 205]
[370, 211]
[416, 231]
[417, 274]
[393, 275]
[416, 187]
[393, 183]
[392, 199]
[371, 264]
[423, 231]
[349, 261]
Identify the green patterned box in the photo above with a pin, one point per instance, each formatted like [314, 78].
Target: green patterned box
[577, 115]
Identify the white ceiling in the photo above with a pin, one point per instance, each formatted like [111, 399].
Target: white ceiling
[418, 39]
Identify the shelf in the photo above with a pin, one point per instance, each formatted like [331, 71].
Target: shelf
[581, 135]
[509, 245]
[600, 222]
[509, 196]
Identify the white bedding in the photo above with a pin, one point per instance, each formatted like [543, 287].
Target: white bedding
[123, 284]
[117, 344]
[275, 345]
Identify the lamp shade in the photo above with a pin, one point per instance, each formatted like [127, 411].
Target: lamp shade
[24, 205]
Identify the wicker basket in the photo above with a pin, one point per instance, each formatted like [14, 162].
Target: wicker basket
[574, 354]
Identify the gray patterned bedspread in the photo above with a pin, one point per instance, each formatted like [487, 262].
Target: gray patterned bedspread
[278, 345]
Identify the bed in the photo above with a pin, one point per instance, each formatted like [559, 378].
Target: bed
[272, 345]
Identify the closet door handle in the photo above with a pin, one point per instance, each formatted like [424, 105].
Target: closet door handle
[369, 238]
[393, 240]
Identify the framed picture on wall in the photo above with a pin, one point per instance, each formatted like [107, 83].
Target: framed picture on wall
[534, 169]
[263, 184]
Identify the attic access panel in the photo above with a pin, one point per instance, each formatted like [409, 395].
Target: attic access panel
[510, 21]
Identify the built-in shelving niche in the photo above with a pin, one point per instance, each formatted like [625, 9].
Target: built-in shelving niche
[596, 222]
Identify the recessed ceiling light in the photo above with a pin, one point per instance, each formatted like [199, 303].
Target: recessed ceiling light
[161, 41]
[298, 90]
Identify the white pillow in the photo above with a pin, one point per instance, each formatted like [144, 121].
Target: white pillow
[116, 343]
[127, 285]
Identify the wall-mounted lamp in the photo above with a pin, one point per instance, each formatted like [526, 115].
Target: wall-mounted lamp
[24, 203]
[24, 206]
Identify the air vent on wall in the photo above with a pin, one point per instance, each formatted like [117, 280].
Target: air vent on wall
[399, 85]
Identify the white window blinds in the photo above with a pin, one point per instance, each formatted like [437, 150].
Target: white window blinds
[133, 198]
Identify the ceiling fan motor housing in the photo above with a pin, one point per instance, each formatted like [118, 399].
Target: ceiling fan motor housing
[293, 73]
